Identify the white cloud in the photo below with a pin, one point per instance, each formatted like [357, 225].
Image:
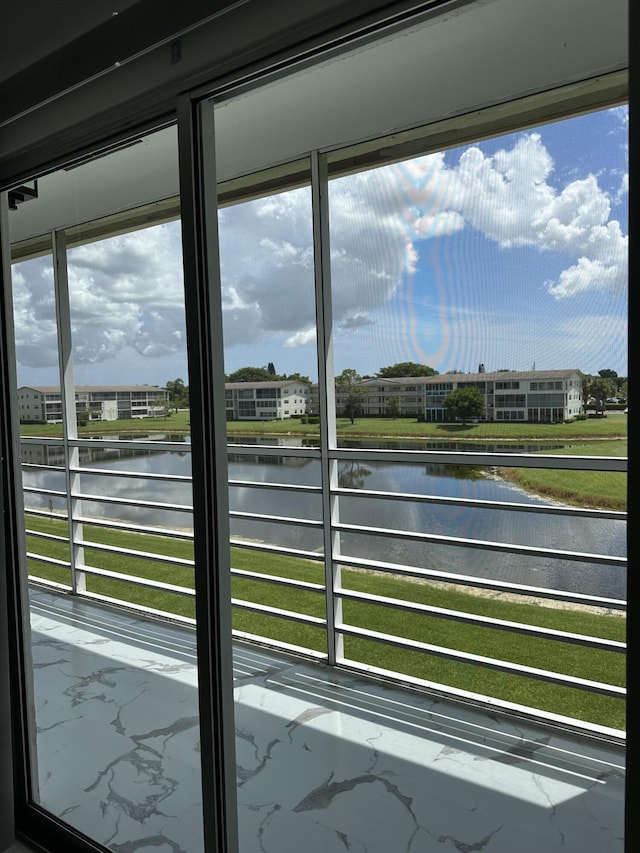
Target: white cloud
[127, 292]
[623, 189]
[35, 314]
[584, 276]
[126, 295]
[301, 338]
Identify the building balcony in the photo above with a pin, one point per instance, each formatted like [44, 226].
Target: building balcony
[347, 735]
[327, 759]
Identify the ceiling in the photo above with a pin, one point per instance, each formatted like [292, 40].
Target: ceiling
[75, 40]
[59, 24]
[414, 77]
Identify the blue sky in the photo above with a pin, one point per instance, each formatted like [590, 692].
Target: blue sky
[511, 252]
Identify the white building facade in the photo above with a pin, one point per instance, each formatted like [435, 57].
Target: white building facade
[257, 401]
[538, 396]
[43, 404]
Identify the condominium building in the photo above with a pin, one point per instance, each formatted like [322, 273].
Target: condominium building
[535, 395]
[278, 400]
[43, 403]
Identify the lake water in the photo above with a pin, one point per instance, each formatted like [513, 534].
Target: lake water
[598, 536]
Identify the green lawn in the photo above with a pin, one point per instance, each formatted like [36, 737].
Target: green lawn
[606, 490]
[604, 437]
[613, 426]
[564, 657]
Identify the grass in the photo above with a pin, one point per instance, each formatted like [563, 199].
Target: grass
[603, 437]
[597, 665]
[602, 489]
[613, 426]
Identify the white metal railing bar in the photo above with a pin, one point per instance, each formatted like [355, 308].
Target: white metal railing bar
[276, 519]
[285, 487]
[279, 644]
[491, 663]
[131, 552]
[277, 579]
[108, 499]
[46, 513]
[50, 561]
[133, 475]
[36, 490]
[54, 441]
[483, 621]
[485, 545]
[131, 527]
[448, 457]
[54, 586]
[492, 460]
[273, 450]
[46, 440]
[149, 583]
[314, 688]
[142, 609]
[277, 549]
[38, 466]
[481, 583]
[545, 509]
[290, 615]
[157, 445]
[154, 634]
[52, 537]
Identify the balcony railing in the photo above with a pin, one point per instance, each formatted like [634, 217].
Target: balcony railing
[325, 566]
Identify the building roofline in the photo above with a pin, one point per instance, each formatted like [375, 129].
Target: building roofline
[495, 376]
[51, 389]
[266, 383]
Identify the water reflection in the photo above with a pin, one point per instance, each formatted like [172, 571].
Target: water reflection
[597, 536]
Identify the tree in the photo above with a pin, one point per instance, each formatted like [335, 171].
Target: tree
[393, 407]
[600, 389]
[251, 374]
[271, 369]
[297, 377]
[464, 403]
[621, 382]
[351, 391]
[178, 394]
[406, 368]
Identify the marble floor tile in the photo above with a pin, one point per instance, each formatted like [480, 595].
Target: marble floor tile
[327, 762]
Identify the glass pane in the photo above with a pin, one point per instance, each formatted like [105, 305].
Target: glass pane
[437, 570]
[271, 361]
[480, 307]
[108, 497]
[495, 271]
[36, 332]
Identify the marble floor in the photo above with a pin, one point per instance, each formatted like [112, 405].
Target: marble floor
[327, 762]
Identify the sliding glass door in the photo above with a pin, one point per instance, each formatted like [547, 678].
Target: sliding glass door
[102, 401]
